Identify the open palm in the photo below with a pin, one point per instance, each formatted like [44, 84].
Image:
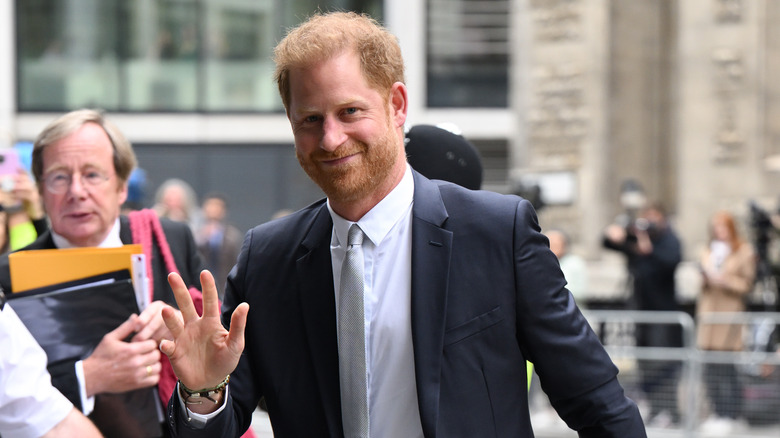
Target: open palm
[202, 351]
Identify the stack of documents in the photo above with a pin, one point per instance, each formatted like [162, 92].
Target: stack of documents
[46, 267]
[69, 299]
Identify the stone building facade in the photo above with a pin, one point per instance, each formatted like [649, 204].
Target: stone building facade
[677, 95]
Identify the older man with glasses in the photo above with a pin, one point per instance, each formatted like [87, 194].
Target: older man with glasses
[81, 163]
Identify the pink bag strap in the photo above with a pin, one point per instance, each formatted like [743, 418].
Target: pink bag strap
[145, 228]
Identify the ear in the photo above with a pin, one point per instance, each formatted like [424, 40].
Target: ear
[122, 193]
[399, 104]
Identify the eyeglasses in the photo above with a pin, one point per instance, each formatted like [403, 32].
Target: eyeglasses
[59, 181]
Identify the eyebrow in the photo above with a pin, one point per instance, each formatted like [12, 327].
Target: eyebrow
[349, 102]
[57, 167]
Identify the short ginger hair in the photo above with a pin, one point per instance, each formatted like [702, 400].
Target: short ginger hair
[324, 36]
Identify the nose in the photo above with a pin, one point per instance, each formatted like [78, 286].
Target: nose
[333, 134]
[77, 188]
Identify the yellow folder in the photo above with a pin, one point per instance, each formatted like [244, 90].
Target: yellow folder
[34, 269]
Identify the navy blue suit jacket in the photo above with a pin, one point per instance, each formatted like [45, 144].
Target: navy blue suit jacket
[487, 294]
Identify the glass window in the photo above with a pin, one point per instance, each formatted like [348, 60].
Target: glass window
[468, 53]
[160, 60]
[156, 55]
[238, 65]
[67, 54]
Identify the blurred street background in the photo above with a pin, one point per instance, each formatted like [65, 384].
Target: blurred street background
[581, 106]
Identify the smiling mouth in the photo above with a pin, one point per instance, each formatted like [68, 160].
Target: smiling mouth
[338, 160]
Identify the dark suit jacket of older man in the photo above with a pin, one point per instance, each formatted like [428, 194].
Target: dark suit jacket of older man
[188, 262]
[487, 294]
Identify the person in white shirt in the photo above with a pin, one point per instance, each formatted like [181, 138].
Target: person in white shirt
[30, 406]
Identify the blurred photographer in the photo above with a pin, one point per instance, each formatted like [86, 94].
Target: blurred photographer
[763, 227]
[652, 252]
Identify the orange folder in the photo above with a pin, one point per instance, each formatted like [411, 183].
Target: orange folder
[34, 269]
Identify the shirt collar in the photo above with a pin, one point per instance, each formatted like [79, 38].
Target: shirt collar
[111, 241]
[380, 219]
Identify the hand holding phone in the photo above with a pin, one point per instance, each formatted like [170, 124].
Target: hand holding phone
[9, 166]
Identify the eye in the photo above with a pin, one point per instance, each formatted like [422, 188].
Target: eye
[350, 111]
[58, 178]
[311, 119]
[93, 177]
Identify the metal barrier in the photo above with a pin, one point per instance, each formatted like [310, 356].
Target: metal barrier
[690, 366]
[681, 378]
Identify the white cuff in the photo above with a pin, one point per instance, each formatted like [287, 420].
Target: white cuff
[87, 403]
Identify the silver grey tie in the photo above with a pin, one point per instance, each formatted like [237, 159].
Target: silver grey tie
[352, 340]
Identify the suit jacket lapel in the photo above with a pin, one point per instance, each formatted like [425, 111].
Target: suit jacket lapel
[125, 234]
[431, 250]
[318, 304]
[44, 241]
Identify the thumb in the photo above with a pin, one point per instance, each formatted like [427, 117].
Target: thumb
[167, 347]
[125, 329]
[235, 339]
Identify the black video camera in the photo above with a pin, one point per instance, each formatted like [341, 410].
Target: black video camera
[761, 226]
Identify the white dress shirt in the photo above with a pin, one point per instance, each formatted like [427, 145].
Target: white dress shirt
[29, 405]
[387, 249]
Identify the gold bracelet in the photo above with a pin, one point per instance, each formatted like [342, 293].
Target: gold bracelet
[194, 397]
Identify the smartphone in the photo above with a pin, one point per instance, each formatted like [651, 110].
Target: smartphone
[9, 165]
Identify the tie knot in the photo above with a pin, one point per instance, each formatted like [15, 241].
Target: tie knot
[355, 236]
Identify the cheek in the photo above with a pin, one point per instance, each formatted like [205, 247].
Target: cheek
[51, 203]
[302, 146]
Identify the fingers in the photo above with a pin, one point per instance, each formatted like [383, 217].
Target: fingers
[151, 373]
[149, 331]
[148, 363]
[210, 296]
[151, 311]
[151, 321]
[173, 320]
[147, 349]
[182, 295]
[125, 329]
[235, 339]
[141, 371]
[144, 319]
[167, 347]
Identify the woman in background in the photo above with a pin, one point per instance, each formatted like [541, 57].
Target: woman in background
[728, 268]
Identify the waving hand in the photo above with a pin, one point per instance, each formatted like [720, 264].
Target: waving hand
[202, 352]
